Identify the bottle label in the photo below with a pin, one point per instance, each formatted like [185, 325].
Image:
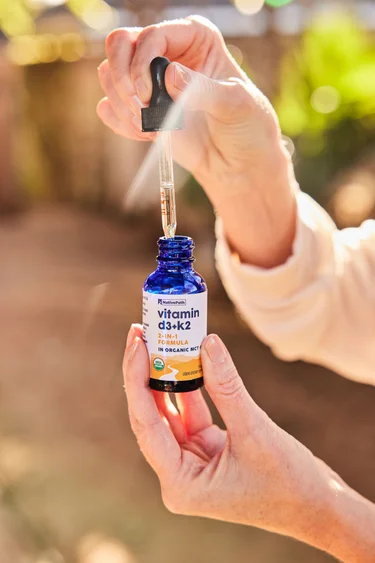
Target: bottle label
[174, 327]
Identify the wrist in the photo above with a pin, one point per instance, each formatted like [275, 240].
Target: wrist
[258, 209]
[308, 500]
[337, 519]
[352, 524]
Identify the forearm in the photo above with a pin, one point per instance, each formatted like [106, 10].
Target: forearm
[257, 208]
[338, 520]
[352, 525]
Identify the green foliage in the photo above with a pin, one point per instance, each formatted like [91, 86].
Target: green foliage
[327, 98]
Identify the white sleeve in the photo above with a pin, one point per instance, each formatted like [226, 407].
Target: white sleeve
[320, 305]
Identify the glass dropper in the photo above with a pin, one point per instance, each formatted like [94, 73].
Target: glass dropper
[153, 119]
[167, 191]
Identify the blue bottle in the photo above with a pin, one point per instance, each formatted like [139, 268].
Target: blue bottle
[175, 318]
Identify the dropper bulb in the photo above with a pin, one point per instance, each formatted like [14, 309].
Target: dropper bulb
[153, 117]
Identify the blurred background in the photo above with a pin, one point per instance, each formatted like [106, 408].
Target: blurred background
[73, 486]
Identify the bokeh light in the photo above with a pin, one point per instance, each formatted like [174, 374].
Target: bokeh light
[73, 47]
[48, 48]
[236, 53]
[23, 50]
[354, 202]
[277, 3]
[325, 99]
[100, 16]
[248, 7]
[15, 19]
[96, 548]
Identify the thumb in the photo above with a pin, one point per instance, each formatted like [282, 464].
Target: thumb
[224, 100]
[225, 387]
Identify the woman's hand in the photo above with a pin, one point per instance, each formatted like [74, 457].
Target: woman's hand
[232, 142]
[252, 473]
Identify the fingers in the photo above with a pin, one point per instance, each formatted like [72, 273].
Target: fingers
[107, 115]
[126, 128]
[155, 438]
[120, 47]
[115, 113]
[226, 388]
[189, 39]
[224, 100]
[131, 50]
[195, 414]
[136, 329]
[167, 409]
[121, 109]
[194, 41]
[213, 438]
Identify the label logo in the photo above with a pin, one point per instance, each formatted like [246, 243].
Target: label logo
[158, 364]
[172, 302]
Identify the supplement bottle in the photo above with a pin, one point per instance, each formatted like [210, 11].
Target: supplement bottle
[175, 318]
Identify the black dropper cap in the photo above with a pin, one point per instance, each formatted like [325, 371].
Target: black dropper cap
[153, 117]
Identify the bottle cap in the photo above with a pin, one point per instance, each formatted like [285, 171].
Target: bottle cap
[154, 116]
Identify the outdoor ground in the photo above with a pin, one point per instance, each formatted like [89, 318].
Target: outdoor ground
[70, 285]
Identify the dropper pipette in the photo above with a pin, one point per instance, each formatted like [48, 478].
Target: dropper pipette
[153, 119]
[167, 192]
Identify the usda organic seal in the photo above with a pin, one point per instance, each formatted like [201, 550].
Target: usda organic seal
[158, 364]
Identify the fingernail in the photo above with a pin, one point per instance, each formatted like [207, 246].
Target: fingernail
[131, 336]
[181, 78]
[141, 88]
[133, 349]
[216, 350]
[137, 122]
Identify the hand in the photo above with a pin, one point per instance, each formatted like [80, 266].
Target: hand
[232, 142]
[252, 473]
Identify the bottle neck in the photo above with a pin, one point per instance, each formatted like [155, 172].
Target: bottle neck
[175, 254]
[173, 266]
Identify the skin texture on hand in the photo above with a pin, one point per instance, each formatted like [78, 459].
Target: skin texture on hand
[232, 142]
[253, 473]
